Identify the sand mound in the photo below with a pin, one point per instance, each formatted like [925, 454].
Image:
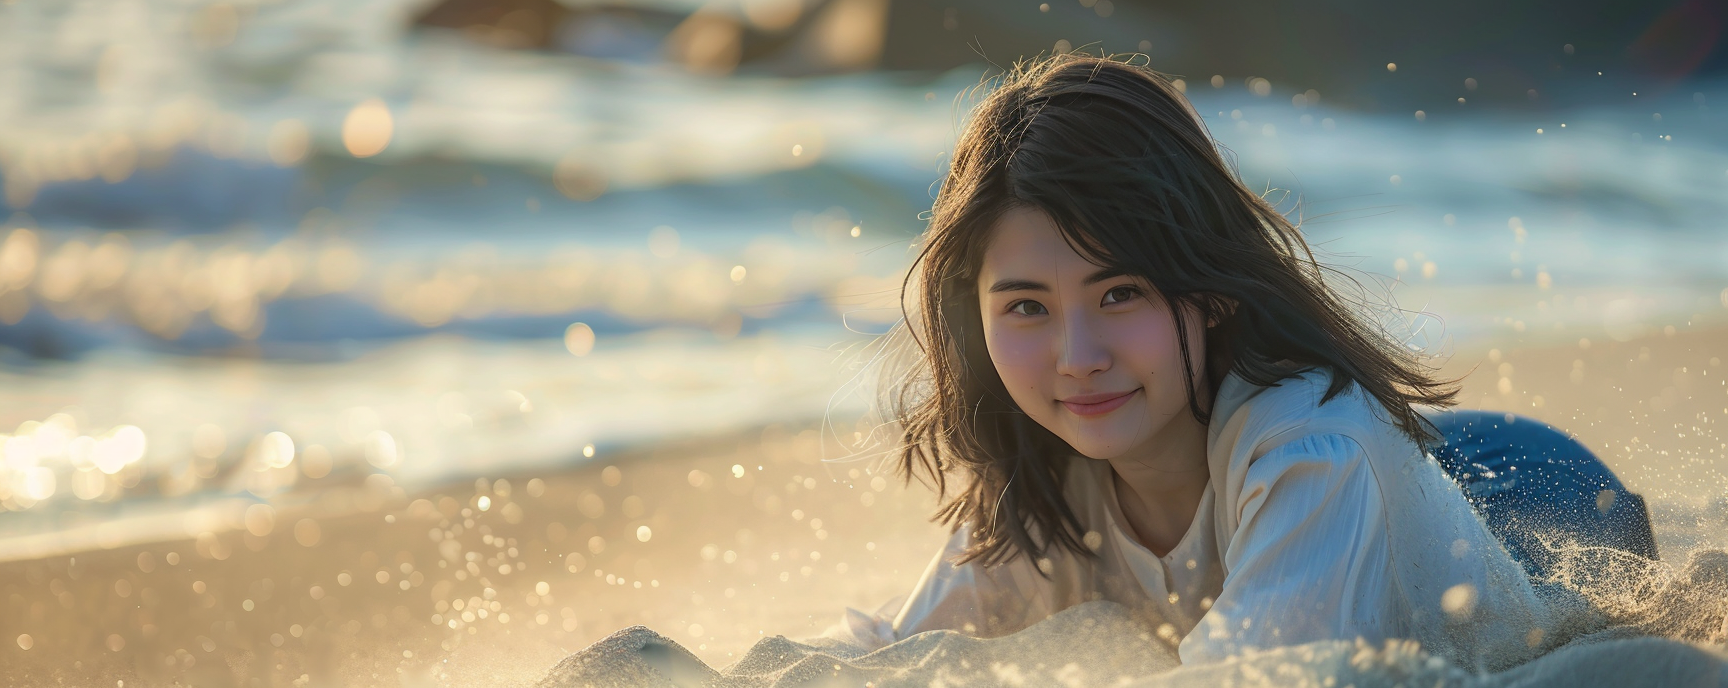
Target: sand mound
[1093, 644]
[1101, 644]
[1612, 658]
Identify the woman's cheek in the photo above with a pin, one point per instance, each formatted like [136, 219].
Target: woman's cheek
[1020, 359]
[1146, 342]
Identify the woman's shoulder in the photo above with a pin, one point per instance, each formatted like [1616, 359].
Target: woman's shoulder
[1297, 403]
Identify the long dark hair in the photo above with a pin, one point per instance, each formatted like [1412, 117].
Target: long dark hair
[1114, 154]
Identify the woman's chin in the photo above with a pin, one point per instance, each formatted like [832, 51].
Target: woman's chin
[1099, 452]
[1099, 438]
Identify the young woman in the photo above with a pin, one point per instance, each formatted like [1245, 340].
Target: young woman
[1146, 392]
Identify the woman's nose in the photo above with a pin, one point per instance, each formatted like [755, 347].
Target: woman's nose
[1080, 351]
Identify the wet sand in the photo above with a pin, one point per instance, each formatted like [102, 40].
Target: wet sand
[724, 561]
[672, 538]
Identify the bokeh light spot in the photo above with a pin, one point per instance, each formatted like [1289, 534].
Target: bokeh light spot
[579, 340]
[368, 128]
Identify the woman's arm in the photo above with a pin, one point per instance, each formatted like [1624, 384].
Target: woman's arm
[1308, 560]
[967, 598]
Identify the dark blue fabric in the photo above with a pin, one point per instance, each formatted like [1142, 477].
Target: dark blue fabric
[1527, 478]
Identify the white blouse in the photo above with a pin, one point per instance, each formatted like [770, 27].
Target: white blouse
[1319, 521]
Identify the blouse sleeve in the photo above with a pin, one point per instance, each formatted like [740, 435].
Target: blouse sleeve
[966, 598]
[1307, 561]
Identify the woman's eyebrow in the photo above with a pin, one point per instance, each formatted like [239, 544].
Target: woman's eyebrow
[1017, 285]
[1011, 284]
[1103, 274]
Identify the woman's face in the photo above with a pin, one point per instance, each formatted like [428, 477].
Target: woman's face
[1088, 353]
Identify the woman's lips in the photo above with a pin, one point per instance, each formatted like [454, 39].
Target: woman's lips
[1097, 404]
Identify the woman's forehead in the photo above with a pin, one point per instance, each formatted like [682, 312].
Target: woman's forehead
[1026, 244]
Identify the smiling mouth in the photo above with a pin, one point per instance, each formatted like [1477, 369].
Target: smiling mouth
[1097, 404]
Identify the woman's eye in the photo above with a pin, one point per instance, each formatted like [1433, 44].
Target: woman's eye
[1026, 307]
[1120, 294]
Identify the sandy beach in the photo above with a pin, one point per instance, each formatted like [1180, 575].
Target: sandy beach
[428, 342]
[715, 543]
